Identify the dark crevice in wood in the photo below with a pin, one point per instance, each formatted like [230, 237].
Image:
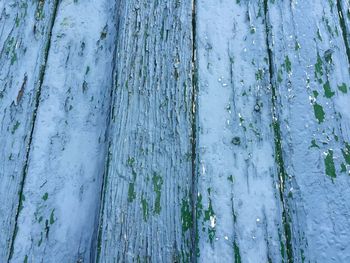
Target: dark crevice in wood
[343, 30]
[97, 241]
[194, 186]
[282, 174]
[32, 124]
[96, 244]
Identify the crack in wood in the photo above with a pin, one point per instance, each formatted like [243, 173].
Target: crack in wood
[194, 232]
[344, 30]
[97, 243]
[282, 175]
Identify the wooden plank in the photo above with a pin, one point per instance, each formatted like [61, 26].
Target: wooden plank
[311, 79]
[147, 206]
[253, 168]
[239, 209]
[343, 9]
[25, 28]
[61, 195]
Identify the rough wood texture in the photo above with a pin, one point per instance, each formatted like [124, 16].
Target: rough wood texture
[61, 193]
[307, 70]
[343, 9]
[174, 131]
[24, 39]
[311, 79]
[239, 209]
[147, 207]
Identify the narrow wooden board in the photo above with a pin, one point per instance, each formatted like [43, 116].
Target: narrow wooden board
[25, 28]
[147, 193]
[239, 209]
[61, 195]
[311, 81]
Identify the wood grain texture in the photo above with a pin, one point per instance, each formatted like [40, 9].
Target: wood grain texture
[343, 10]
[310, 75]
[61, 193]
[239, 213]
[25, 28]
[147, 206]
[174, 131]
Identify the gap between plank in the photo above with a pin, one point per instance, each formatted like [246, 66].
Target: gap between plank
[96, 244]
[282, 175]
[344, 31]
[194, 233]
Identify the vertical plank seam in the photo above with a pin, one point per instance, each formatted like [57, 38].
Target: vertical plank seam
[344, 31]
[96, 245]
[194, 190]
[278, 145]
[32, 125]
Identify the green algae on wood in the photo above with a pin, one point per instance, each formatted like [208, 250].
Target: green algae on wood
[328, 93]
[186, 215]
[343, 88]
[45, 196]
[52, 217]
[319, 112]
[346, 153]
[237, 254]
[157, 187]
[131, 192]
[144, 205]
[329, 164]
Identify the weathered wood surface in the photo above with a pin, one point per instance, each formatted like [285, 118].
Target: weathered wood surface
[238, 207]
[306, 91]
[61, 192]
[311, 78]
[24, 40]
[147, 193]
[174, 131]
